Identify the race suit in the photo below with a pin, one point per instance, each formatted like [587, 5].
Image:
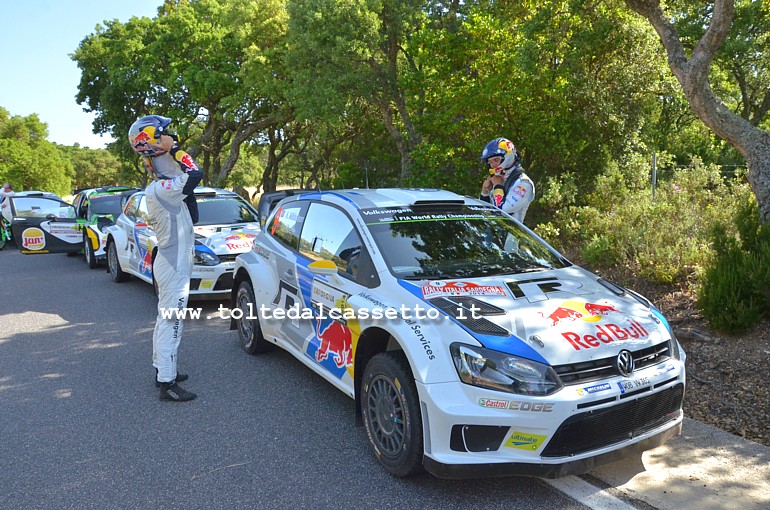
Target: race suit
[514, 195]
[172, 212]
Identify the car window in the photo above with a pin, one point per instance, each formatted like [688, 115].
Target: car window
[131, 206]
[285, 224]
[104, 205]
[224, 211]
[464, 242]
[40, 207]
[328, 234]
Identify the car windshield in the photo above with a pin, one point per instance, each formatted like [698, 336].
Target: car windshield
[224, 210]
[456, 242]
[104, 205]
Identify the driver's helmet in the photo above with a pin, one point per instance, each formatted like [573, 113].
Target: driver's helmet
[503, 148]
[146, 131]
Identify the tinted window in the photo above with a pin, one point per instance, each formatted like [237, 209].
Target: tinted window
[132, 205]
[105, 205]
[459, 242]
[285, 224]
[328, 234]
[224, 210]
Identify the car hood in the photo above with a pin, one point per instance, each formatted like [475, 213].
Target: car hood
[561, 316]
[226, 239]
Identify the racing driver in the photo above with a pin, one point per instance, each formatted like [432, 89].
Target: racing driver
[172, 212]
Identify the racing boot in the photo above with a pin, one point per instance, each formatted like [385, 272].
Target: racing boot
[172, 391]
[179, 378]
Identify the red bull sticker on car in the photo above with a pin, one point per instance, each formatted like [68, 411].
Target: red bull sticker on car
[525, 441]
[443, 289]
[609, 324]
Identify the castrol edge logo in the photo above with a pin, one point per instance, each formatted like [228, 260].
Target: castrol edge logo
[33, 239]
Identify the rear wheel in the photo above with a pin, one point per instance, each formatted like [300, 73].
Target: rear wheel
[88, 253]
[391, 412]
[249, 330]
[113, 264]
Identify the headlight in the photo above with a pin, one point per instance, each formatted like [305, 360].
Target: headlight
[205, 259]
[504, 372]
[676, 349]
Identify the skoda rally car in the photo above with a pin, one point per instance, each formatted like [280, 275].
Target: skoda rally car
[470, 346]
[227, 226]
[99, 207]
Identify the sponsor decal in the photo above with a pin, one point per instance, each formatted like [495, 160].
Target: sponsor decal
[596, 388]
[33, 239]
[443, 289]
[535, 407]
[187, 161]
[335, 338]
[524, 441]
[606, 334]
[166, 184]
[668, 367]
[327, 296]
[497, 404]
[519, 191]
[261, 251]
[206, 284]
[425, 342]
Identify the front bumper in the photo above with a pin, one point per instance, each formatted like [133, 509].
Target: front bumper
[212, 280]
[566, 468]
[472, 432]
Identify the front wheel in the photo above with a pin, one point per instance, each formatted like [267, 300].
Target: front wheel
[88, 253]
[113, 264]
[391, 412]
[249, 330]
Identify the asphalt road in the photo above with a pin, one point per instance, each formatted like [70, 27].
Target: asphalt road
[82, 427]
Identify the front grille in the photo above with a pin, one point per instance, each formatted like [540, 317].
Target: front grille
[593, 370]
[227, 258]
[461, 309]
[603, 427]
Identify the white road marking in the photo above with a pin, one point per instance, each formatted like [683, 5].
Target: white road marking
[587, 494]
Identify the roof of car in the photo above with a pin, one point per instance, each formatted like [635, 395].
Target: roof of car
[391, 197]
[32, 193]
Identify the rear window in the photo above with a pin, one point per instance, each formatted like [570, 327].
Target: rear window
[224, 210]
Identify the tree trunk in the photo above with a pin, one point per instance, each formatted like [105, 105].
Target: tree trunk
[753, 143]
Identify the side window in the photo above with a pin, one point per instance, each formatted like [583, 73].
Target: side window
[285, 224]
[131, 207]
[141, 210]
[328, 234]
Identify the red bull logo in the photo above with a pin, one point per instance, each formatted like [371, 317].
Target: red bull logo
[498, 196]
[141, 139]
[574, 310]
[145, 266]
[188, 162]
[337, 339]
[606, 334]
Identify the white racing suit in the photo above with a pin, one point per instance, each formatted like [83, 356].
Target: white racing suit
[514, 195]
[173, 211]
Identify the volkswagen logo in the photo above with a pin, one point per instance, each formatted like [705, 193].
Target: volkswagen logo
[625, 363]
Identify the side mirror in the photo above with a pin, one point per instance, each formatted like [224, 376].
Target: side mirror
[51, 217]
[323, 267]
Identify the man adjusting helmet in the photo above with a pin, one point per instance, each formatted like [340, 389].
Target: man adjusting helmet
[507, 187]
[172, 212]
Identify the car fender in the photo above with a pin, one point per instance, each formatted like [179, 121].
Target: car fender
[118, 236]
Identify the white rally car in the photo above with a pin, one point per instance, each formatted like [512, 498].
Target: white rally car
[227, 226]
[470, 346]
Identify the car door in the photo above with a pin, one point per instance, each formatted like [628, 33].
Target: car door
[328, 234]
[44, 224]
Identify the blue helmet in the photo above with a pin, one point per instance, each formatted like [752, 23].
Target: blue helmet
[146, 131]
[502, 148]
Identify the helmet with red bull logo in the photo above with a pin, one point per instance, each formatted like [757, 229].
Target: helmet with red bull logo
[503, 149]
[145, 133]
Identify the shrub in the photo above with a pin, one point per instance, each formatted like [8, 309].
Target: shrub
[735, 291]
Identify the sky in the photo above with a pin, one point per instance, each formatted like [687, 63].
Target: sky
[36, 72]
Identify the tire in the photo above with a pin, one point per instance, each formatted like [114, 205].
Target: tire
[88, 253]
[249, 330]
[113, 264]
[391, 411]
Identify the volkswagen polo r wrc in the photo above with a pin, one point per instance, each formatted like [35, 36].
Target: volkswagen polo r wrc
[227, 226]
[470, 347]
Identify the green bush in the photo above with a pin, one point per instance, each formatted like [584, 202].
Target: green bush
[735, 291]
